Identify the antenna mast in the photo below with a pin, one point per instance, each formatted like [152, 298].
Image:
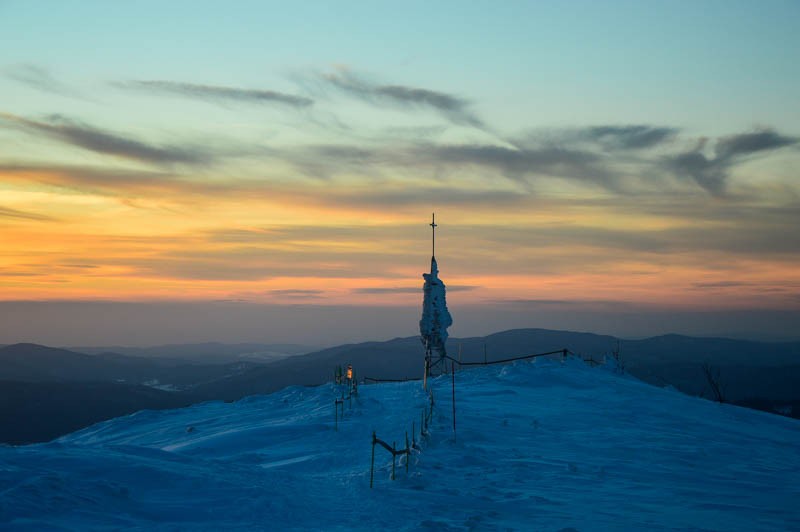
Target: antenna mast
[433, 234]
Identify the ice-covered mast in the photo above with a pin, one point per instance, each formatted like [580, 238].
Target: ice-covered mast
[435, 316]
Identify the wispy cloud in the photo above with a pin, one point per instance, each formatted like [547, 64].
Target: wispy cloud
[454, 108]
[215, 93]
[408, 289]
[40, 79]
[519, 165]
[712, 173]
[14, 213]
[603, 138]
[628, 137]
[720, 284]
[296, 293]
[105, 142]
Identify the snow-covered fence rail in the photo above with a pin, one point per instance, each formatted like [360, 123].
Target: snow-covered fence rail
[562, 352]
[371, 379]
[427, 415]
[393, 449]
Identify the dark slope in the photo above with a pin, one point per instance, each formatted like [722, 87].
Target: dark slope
[40, 411]
[748, 369]
[47, 392]
[38, 363]
[207, 352]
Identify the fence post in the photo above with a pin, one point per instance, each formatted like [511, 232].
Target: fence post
[372, 463]
[454, 400]
[394, 455]
[408, 452]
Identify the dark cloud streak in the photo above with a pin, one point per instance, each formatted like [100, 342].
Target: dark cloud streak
[14, 213]
[39, 78]
[630, 137]
[105, 142]
[217, 93]
[454, 108]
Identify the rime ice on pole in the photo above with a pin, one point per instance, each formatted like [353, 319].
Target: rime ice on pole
[435, 316]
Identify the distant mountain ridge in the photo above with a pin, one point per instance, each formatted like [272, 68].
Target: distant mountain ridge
[762, 374]
[207, 352]
[37, 363]
[669, 359]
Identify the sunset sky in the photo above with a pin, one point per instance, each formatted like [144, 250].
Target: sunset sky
[582, 158]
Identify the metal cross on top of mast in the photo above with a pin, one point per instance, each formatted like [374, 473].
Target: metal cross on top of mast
[433, 234]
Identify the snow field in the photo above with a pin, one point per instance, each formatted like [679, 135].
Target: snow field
[540, 446]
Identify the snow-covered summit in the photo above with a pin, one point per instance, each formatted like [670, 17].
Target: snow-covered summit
[543, 446]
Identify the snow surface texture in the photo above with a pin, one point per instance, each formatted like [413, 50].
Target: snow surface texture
[543, 446]
[435, 316]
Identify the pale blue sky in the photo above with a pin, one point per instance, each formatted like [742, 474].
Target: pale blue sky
[711, 67]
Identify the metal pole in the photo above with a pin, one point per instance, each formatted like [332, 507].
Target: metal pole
[372, 464]
[454, 400]
[408, 453]
[394, 454]
[433, 234]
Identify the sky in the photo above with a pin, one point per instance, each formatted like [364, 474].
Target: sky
[620, 167]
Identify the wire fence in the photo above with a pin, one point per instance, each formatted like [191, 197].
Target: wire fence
[352, 391]
[562, 352]
[425, 419]
[404, 452]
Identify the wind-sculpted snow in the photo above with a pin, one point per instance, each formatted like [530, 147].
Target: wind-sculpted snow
[435, 316]
[542, 446]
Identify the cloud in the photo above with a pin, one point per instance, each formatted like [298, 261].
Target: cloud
[712, 173]
[113, 182]
[748, 143]
[514, 163]
[105, 142]
[720, 284]
[296, 293]
[759, 236]
[408, 289]
[452, 107]
[389, 290]
[217, 93]
[38, 78]
[517, 163]
[440, 196]
[14, 213]
[630, 137]
[189, 259]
